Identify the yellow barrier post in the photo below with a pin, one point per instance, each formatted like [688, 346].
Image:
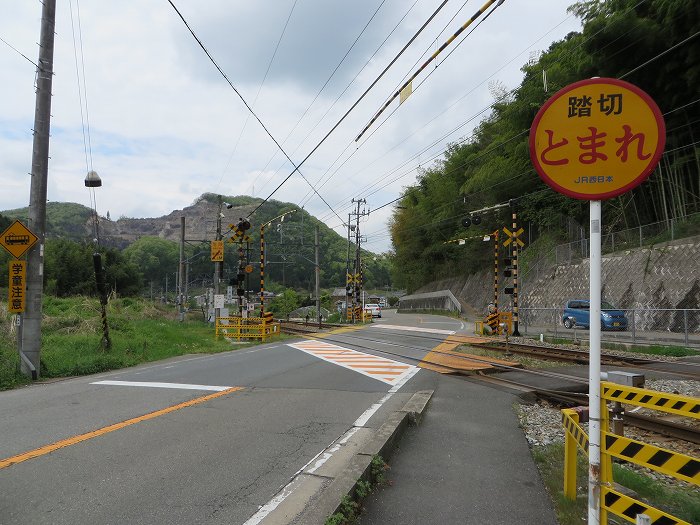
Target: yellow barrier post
[570, 467]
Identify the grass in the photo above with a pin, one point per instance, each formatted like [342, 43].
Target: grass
[666, 350]
[526, 361]
[140, 332]
[680, 501]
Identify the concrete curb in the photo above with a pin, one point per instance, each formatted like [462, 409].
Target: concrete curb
[317, 491]
[382, 443]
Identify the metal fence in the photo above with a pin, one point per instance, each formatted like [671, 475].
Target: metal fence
[638, 237]
[666, 326]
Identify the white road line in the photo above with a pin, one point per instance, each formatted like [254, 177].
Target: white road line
[322, 457]
[181, 386]
[413, 329]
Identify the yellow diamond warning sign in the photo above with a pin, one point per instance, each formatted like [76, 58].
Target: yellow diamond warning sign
[17, 239]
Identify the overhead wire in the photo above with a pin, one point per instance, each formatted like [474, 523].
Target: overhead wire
[335, 70]
[250, 109]
[262, 83]
[84, 115]
[427, 62]
[18, 52]
[512, 91]
[446, 110]
[354, 105]
[367, 62]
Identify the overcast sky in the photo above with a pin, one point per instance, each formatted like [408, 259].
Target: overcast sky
[166, 127]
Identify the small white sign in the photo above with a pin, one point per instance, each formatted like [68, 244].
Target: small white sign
[229, 294]
[219, 300]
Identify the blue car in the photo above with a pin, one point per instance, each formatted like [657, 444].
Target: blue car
[576, 314]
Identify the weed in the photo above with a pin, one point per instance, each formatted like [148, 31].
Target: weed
[679, 501]
[363, 489]
[378, 468]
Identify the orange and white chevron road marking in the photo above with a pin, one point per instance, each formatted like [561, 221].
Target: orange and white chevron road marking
[386, 370]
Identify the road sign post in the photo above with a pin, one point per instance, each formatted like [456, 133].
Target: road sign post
[594, 140]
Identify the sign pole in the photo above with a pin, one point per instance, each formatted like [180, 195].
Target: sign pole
[594, 407]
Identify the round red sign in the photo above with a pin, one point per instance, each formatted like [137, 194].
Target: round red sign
[597, 138]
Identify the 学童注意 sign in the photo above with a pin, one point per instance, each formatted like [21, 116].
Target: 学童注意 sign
[597, 138]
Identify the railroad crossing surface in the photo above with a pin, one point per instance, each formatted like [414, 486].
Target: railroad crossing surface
[222, 438]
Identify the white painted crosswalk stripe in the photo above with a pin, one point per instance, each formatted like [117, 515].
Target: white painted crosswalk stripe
[386, 370]
[412, 329]
[180, 386]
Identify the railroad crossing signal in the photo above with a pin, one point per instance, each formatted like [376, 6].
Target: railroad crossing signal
[217, 251]
[353, 278]
[513, 237]
[17, 239]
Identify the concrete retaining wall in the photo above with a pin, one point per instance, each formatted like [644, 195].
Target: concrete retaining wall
[665, 276]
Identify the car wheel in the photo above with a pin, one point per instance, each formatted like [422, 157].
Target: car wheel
[568, 323]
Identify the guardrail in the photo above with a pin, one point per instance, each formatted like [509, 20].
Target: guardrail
[659, 325]
[668, 462]
[255, 328]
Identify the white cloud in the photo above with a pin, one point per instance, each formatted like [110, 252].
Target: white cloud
[164, 123]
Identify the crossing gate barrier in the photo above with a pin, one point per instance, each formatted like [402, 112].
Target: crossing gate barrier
[254, 328]
[499, 322]
[670, 463]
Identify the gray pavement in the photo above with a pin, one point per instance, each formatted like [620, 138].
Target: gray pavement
[468, 463]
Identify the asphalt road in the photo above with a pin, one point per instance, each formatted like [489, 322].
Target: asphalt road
[199, 439]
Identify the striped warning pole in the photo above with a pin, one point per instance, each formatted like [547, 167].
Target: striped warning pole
[515, 276]
[425, 64]
[262, 271]
[495, 269]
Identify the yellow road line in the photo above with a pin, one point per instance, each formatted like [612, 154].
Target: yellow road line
[47, 449]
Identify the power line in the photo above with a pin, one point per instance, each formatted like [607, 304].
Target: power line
[427, 62]
[262, 83]
[18, 52]
[321, 90]
[296, 167]
[359, 99]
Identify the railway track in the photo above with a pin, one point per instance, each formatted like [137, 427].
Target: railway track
[664, 427]
[659, 425]
[691, 369]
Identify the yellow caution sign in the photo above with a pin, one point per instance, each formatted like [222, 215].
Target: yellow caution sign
[16, 287]
[17, 239]
[217, 251]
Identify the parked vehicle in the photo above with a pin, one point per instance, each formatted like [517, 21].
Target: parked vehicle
[577, 314]
[374, 309]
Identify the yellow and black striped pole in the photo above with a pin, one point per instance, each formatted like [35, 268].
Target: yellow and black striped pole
[515, 275]
[495, 269]
[262, 271]
[425, 64]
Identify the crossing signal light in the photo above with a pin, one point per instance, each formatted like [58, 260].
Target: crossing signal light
[243, 224]
[476, 220]
[508, 290]
[466, 222]
[508, 271]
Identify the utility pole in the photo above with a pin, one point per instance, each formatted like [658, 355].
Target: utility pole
[217, 265]
[348, 281]
[31, 331]
[317, 271]
[357, 277]
[183, 279]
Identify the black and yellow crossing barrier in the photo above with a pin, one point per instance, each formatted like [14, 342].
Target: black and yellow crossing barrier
[624, 506]
[247, 328]
[670, 403]
[668, 462]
